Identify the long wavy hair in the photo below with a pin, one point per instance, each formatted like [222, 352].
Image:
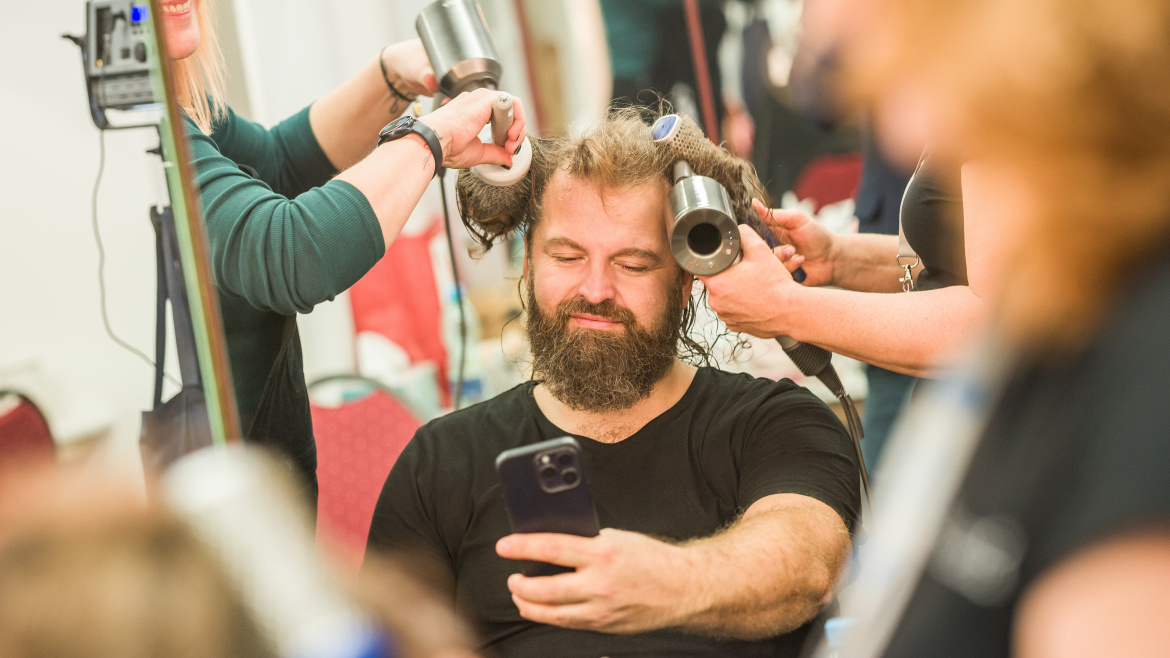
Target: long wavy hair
[1072, 99]
[199, 79]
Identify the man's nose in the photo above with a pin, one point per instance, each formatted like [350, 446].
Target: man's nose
[598, 284]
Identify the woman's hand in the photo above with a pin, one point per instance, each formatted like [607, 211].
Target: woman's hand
[813, 244]
[459, 122]
[408, 68]
[752, 295]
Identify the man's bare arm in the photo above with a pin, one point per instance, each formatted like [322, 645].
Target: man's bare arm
[767, 573]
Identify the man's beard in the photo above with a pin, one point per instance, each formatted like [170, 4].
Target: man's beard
[600, 370]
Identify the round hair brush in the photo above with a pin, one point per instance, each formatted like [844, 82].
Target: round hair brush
[490, 211]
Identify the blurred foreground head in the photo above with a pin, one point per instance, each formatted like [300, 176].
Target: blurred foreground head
[1067, 100]
[86, 569]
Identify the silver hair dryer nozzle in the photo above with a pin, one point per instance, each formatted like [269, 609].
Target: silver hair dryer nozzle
[705, 236]
[455, 36]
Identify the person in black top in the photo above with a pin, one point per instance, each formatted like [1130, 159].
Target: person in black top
[1051, 534]
[727, 501]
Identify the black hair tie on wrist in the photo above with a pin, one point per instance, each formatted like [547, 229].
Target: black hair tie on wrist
[385, 76]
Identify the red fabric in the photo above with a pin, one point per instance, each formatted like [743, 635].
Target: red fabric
[829, 179]
[357, 444]
[24, 433]
[399, 299]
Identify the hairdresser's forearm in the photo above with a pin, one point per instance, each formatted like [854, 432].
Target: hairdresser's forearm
[346, 121]
[393, 179]
[866, 262]
[913, 333]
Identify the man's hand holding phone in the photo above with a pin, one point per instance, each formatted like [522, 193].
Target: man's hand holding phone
[624, 582]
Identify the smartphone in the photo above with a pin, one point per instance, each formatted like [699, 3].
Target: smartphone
[545, 490]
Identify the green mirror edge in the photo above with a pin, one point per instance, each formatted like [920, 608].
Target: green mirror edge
[223, 417]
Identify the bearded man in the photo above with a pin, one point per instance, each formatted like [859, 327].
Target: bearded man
[727, 501]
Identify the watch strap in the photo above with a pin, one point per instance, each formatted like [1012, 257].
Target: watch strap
[404, 126]
[432, 140]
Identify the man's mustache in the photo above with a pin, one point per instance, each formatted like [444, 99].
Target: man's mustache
[607, 309]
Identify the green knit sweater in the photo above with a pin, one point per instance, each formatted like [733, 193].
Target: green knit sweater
[281, 243]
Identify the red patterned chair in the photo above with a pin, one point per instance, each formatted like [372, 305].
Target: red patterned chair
[357, 444]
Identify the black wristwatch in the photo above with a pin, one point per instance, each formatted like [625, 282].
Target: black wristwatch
[403, 126]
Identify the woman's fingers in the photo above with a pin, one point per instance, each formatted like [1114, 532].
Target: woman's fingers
[519, 129]
[787, 255]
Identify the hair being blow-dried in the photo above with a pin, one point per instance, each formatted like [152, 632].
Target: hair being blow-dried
[615, 153]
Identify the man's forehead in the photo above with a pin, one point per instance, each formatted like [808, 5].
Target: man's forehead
[574, 207]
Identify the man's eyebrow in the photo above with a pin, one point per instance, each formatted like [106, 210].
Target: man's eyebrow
[562, 242]
[645, 254]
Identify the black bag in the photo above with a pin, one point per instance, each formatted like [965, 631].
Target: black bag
[180, 425]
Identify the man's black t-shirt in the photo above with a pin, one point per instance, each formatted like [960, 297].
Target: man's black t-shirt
[1077, 452]
[728, 442]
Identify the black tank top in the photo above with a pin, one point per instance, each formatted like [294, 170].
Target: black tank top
[932, 219]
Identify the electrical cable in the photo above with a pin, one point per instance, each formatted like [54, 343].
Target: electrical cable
[98, 239]
[458, 395]
[702, 71]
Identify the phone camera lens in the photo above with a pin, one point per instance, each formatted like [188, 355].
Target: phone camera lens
[564, 459]
[548, 472]
[570, 477]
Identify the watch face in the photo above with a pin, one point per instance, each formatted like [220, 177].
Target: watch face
[396, 128]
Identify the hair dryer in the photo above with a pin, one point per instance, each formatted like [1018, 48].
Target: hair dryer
[455, 36]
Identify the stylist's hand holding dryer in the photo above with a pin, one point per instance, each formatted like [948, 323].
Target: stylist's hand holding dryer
[866, 314]
[298, 212]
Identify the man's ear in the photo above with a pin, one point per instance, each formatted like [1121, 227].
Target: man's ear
[688, 286]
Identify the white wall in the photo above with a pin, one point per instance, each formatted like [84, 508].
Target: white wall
[51, 336]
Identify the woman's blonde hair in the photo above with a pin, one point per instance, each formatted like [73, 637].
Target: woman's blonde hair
[1071, 96]
[199, 79]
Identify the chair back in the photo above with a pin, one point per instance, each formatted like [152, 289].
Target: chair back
[24, 431]
[358, 442]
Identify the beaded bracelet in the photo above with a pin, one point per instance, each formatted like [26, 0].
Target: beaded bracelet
[385, 76]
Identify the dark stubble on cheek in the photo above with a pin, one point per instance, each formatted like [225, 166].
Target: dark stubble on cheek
[598, 370]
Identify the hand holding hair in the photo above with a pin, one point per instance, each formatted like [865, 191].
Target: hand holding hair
[811, 241]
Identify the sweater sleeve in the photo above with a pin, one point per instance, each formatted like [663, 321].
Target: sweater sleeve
[288, 156]
[279, 253]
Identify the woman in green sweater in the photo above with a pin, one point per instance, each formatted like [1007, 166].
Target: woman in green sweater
[298, 213]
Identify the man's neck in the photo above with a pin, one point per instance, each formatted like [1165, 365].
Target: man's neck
[614, 426]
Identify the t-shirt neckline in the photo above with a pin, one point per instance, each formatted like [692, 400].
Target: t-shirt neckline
[698, 382]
